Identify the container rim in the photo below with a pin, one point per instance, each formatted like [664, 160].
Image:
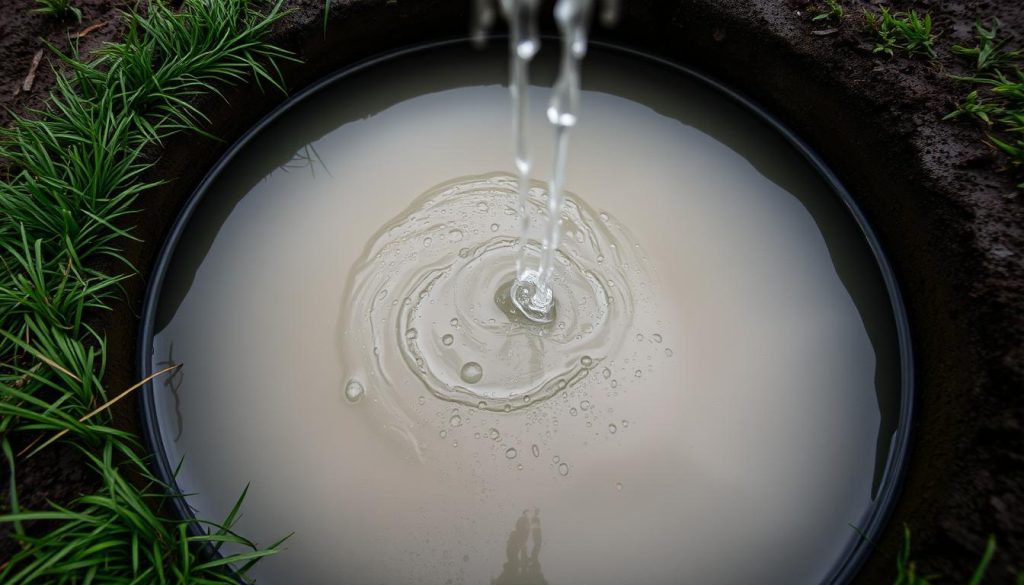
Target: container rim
[891, 485]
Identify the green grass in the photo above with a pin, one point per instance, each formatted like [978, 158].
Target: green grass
[58, 9]
[907, 570]
[73, 175]
[996, 96]
[832, 10]
[905, 31]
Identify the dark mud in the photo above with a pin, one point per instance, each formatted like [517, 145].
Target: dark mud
[938, 197]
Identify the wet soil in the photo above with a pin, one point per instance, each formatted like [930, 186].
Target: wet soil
[939, 198]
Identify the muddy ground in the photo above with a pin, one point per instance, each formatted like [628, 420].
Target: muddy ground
[939, 197]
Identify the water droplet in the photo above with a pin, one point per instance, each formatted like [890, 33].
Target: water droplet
[536, 450]
[447, 339]
[443, 434]
[657, 338]
[638, 373]
[354, 391]
[586, 361]
[613, 429]
[494, 227]
[455, 235]
[455, 421]
[511, 453]
[639, 336]
[563, 469]
[471, 373]
[411, 333]
[668, 352]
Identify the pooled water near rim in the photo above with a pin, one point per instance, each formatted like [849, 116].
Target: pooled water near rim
[711, 403]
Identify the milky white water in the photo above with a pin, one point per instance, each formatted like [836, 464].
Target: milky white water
[729, 366]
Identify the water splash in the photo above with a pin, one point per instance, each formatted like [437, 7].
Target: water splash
[406, 300]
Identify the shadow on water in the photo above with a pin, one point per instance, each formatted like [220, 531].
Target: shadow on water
[522, 553]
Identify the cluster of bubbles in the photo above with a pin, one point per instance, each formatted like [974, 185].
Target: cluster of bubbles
[429, 298]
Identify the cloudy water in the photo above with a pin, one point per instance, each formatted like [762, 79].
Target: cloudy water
[711, 402]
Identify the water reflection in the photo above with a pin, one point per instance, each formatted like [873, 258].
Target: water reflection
[522, 567]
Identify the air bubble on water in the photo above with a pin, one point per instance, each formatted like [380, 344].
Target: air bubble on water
[421, 400]
[657, 338]
[511, 453]
[639, 336]
[606, 373]
[604, 216]
[482, 206]
[572, 411]
[476, 435]
[625, 424]
[668, 352]
[411, 333]
[507, 408]
[600, 258]
[427, 241]
[494, 227]
[638, 373]
[454, 322]
[447, 339]
[494, 434]
[556, 459]
[561, 384]
[563, 469]
[471, 372]
[481, 405]
[615, 383]
[612, 428]
[536, 450]
[455, 421]
[586, 361]
[354, 391]
[455, 235]
[455, 443]
[443, 433]
[464, 253]
[618, 486]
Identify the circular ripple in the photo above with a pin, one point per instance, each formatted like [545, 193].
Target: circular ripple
[431, 292]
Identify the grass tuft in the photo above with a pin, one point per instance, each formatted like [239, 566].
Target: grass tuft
[997, 93]
[906, 31]
[73, 174]
[58, 9]
[832, 10]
